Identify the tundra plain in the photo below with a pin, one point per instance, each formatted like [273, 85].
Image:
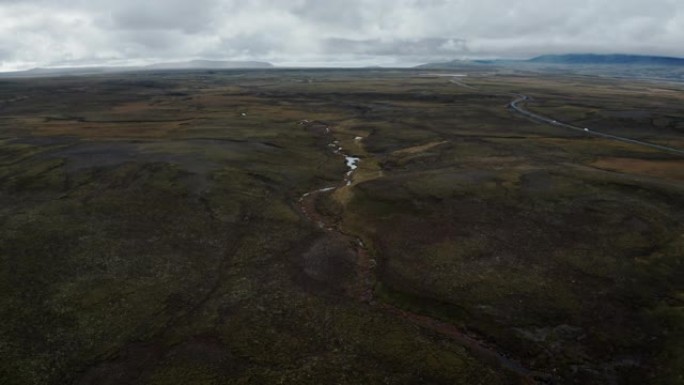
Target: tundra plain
[196, 227]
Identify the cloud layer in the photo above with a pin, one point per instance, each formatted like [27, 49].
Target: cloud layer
[87, 32]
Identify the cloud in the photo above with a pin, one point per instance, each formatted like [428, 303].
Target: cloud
[191, 17]
[67, 32]
[409, 48]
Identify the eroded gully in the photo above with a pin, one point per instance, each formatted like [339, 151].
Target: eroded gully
[362, 289]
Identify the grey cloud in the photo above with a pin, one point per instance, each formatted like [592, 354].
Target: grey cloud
[249, 44]
[427, 47]
[47, 32]
[187, 16]
[350, 14]
[153, 40]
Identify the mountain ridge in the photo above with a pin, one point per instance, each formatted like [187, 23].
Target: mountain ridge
[570, 59]
[162, 66]
[624, 59]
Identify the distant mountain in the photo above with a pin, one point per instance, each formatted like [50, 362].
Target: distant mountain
[615, 66]
[617, 59]
[462, 64]
[209, 64]
[566, 60]
[186, 65]
[64, 71]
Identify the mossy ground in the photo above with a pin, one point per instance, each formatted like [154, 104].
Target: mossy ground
[537, 241]
[150, 232]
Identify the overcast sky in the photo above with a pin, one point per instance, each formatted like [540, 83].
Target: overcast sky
[333, 32]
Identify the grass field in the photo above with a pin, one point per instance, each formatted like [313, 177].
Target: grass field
[151, 232]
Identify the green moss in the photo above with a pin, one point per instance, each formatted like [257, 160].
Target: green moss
[150, 231]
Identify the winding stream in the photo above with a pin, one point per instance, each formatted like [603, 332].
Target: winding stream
[362, 290]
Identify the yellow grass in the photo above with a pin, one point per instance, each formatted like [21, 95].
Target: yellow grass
[417, 149]
[667, 169]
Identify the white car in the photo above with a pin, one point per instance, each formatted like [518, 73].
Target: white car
[586, 129]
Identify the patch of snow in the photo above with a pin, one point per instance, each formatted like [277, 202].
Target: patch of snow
[352, 162]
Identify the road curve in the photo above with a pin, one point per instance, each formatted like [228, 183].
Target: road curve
[520, 98]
